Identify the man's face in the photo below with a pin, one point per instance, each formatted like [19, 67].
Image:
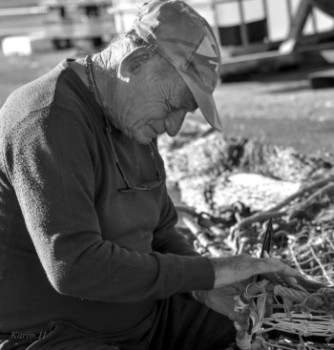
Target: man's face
[157, 102]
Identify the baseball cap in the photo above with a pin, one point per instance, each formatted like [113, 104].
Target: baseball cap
[186, 40]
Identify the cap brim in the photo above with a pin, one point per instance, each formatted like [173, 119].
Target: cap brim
[205, 102]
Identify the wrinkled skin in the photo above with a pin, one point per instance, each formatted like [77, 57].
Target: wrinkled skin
[154, 106]
[149, 97]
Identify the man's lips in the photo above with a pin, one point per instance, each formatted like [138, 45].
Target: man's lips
[156, 131]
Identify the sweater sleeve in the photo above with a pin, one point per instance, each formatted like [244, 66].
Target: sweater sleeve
[166, 237]
[51, 166]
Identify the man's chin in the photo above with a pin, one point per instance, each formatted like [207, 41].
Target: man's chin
[142, 139]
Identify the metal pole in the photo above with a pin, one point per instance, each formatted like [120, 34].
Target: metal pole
[314, 21]
[244, 33]
[289, 7]
[215, 19]
[266, 17]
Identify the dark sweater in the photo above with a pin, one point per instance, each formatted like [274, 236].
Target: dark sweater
[71, 246]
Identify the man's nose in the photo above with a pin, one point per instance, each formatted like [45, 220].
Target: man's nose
[174, 122]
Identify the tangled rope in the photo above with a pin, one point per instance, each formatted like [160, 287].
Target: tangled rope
[222, 219]
[305, 314]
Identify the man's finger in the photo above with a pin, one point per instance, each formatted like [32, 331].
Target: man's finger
[241, 318]
[277, 268]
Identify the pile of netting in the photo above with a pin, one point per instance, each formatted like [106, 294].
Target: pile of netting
[228, 189]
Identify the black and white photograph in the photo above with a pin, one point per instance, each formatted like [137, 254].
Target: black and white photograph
[166, 174]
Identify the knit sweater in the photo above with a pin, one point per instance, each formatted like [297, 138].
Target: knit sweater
[72, 247]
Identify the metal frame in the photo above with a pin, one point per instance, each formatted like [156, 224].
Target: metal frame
[292, 20]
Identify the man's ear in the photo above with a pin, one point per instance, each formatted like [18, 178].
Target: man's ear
[132, 62]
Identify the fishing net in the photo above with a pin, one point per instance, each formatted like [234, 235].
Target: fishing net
[228, 190]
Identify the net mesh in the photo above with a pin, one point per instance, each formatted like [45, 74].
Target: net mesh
[229, 188]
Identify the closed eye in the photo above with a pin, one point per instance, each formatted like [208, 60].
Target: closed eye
[170, 107]
[188, 103]
[189, 106]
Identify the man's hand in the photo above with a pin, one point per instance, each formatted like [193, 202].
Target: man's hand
[223, 300]
[226, 300]
[233, 274]
[233, 269]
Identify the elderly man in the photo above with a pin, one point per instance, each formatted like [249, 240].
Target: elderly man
[90, 257]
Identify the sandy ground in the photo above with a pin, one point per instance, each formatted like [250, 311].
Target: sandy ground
[281, 108]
